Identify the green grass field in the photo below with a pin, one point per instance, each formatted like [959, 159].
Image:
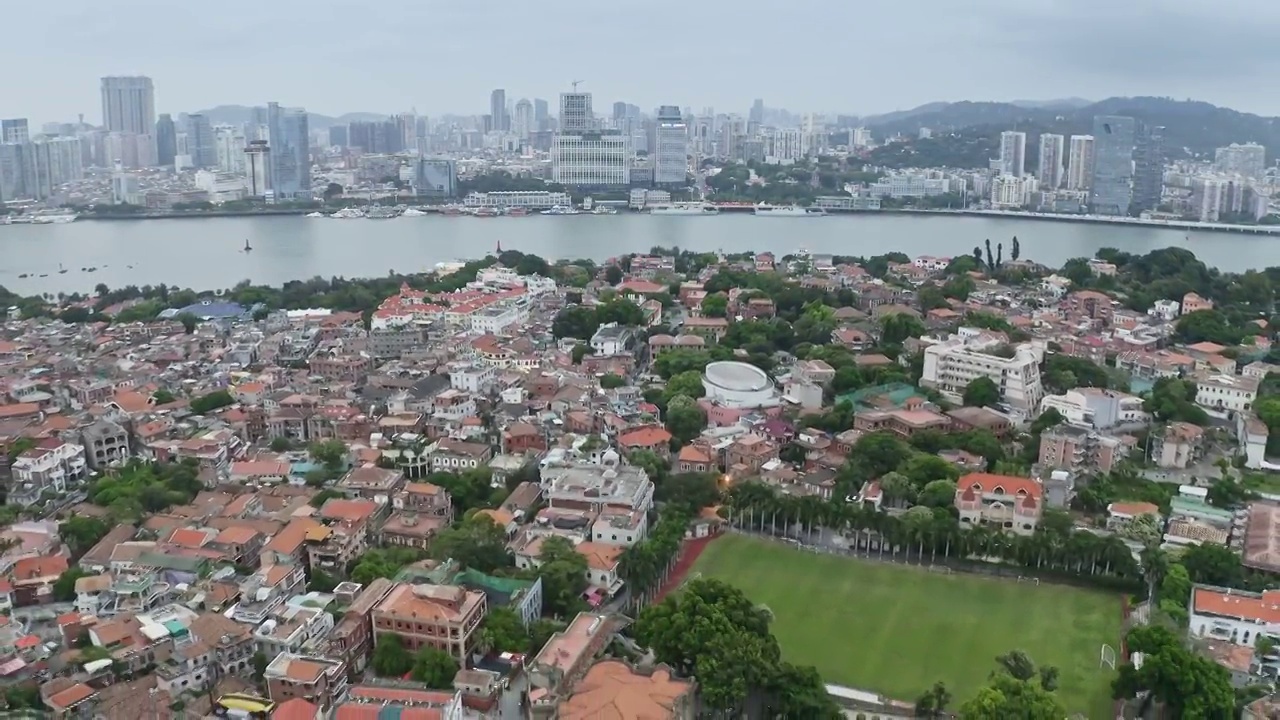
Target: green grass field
[897, 629]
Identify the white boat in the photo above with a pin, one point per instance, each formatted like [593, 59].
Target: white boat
[54, 218]
[562, 210]
[684, 208]
[413, 212]
[381, 212]
[603, 210]
[315, 215]
[788, 211]
[348, 214]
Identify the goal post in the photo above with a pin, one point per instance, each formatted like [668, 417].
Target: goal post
[1107, 657]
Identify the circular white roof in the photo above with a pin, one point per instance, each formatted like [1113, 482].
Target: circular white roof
[737, 376]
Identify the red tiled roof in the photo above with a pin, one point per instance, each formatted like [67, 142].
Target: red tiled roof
[644, 437]
[1008, 484]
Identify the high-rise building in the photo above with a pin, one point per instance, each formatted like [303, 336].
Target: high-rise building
[585, 156]
[1249, 160]
[14, 130]
[619, 111]
[128, 105]
[1080, 163]
[671, 157]
[541, 114]
[1013, 153]
[290, 155]
[575, 113]
[338, 136]
[166, 140]
[56, 161]
[200, 142]
[1049, 169]
[1112, 191]
[1148, 168]
[229, 144]
[498, 110]
[435, 178]
[257, 167]
[522, 123]
[861, 137]
[17, 172]
[757, 112]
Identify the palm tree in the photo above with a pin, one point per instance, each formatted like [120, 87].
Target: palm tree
[933, 703]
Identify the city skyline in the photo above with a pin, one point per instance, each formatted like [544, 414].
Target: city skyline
[98, 44]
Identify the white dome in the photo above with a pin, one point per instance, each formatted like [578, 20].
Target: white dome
[738, 385]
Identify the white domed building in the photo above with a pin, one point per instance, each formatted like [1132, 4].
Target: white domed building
[734, 384]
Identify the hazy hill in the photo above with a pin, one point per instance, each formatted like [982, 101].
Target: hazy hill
[239, 114]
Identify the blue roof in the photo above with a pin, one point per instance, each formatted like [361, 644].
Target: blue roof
[213, 309]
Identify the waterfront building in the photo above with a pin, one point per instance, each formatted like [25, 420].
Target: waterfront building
[14, 130]
[1013, 153]
[290, 156]
[229, 145]
[784, 146]
[1148, 167]
[17, 172]
[498, 110]
[1112, 190]
[1049, 169]
[56, 161]
[583, 155]
[200, 142]
[435, 178]
[257, 167]
[522, 123]
[672, 139]
[1009, 192]
[531, 199]
[1080, 163]
[909, 185]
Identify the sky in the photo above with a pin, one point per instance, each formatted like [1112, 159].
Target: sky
[823, 56]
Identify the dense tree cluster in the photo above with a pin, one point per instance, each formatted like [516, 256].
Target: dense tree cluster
[140, 488]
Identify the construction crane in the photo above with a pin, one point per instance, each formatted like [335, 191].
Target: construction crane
[575, 84]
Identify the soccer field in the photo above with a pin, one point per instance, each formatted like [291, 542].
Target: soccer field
[897, 629]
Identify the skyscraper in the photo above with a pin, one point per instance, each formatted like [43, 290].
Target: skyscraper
[522, 123]
[128, 105]
[14, 131]
[1080, 163]
[166, 140]
[290, 153]
[619, 111]
[200, 142]
[1248, 160]
[1111, 191]
[17, 172]
[1148, 167]
[671, 157]
[575, 112]
[1013, 153]
[498, 110]
[229, 144]
[540, 114]
[257, 167]
[338, 136]
[757, 112]
[1049, 170]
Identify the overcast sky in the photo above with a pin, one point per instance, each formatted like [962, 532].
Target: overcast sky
[805, 55]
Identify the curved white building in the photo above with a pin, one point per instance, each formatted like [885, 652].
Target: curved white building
[738, 385]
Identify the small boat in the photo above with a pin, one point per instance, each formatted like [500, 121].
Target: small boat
[381, 212]
[315, 215]
[603, 210]
[452, 210]
[92, 269]
[765, 210]
[413, 212]
[486, 212]
[517, 211]
[24, 275]
[561, 210]
[348, 214]
[61, 270]
[44, 274]
[684, 208]
[247, 246]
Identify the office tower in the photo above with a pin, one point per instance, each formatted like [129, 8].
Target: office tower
[540, 114]
[861, 137]
[128, 105]
[229, 144]
[257, 167]
[619, 111]
[1148, 167]
[166, 140]
[1111, 191]
[1080, 163]
[575, 113]
[406, 125]
[200, 142]
[14, 131]
[338, 136]
[1249, 160]
[757, 112]
[1013, 153]
[671, 156]
[498, 110]
[1049, 170]
[289, 163]
[522, 123]
[784, 146]
[584, 156]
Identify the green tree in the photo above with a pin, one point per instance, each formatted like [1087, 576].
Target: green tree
[895, 328]
[281, 444]
[1190, 685]
[1007, 697]
[211, 401]
[382, 563]
[933, 703]
[503, 631]
[938, 494]
[332, 454]
[188, 321]
[613, 274]
[321, 582]
[82, 532]
[260, 663]
[477, 543]
[981, 392]
[163, 397]
[434, 668]
[611, 381]
[390, 657]
[715, 305]
[64, 588]
[684, 419]
[564, 577]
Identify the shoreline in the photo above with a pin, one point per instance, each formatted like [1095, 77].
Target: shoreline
[1184, 225]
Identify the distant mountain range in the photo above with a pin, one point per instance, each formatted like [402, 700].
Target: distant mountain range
[1191, 128]
[240, 114]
